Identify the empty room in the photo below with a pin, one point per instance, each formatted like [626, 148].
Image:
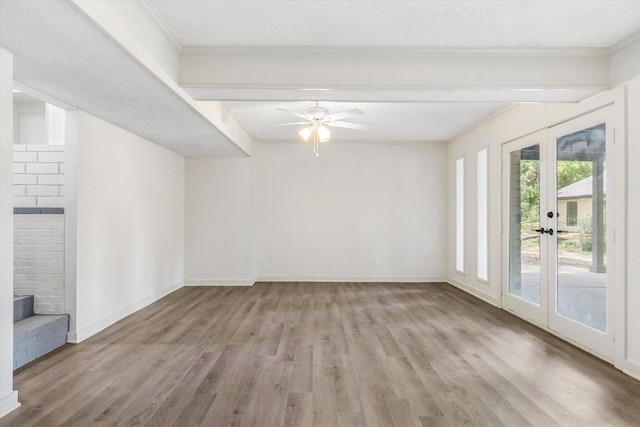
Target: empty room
[319, 213]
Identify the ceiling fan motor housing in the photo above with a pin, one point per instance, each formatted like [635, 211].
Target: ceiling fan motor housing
[316, 113]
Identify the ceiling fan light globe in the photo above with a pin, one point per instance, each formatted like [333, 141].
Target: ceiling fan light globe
[324, 134]
[306, 132]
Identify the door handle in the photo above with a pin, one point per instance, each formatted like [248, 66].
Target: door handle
[541, 230]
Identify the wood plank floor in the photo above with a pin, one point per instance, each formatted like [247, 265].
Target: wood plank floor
[314, 354]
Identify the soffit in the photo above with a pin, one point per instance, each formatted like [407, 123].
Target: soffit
[61, 53]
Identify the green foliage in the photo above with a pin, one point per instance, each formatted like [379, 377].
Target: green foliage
[530, 191]
[586, 230]
[573, 171]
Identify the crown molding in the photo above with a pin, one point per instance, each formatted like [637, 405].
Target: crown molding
[627, 41]
[159, 23]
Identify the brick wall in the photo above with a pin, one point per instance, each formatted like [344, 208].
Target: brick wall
[38, 245]
[38, 175]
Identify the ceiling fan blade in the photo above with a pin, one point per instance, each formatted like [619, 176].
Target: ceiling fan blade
[302, 116]
[344, 114]
[348, 125]
[293, 123]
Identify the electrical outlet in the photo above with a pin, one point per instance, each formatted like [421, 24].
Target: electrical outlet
[374, 263]
[263, 263]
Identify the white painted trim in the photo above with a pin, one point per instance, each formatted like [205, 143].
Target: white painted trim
[360, 279]
[488, 298]
[71, 217]
[9, 403]
[632, 369]
[627, 41]
[219, 282]
[9, 399]
[621, 305]
[88, 331]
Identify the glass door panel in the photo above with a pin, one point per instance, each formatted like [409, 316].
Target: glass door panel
[524, 224]
[525, 182]
[581, 281]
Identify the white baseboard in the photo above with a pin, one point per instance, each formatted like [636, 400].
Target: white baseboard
[9, 403]
[630, 368]
[488, 298]
[88, 331]
[376, 279]
[219, 282]
[632, 374]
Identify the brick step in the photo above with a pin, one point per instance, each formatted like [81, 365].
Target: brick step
[37, 335]
[22, 307]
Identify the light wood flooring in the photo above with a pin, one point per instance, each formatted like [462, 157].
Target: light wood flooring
[323, 354]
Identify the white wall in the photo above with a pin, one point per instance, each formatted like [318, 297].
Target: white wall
[8, 397]
[130, 224]
[29, 122]
[331, 217]
[219, 221]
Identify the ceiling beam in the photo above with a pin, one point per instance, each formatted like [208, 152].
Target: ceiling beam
[131, 26]
[394, 74]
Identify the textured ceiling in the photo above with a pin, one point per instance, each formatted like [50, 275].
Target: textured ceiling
[437, 24]
[386, 121]
[406, 24]
[63, 54]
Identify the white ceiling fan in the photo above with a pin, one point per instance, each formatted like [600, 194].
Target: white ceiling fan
[318, 120]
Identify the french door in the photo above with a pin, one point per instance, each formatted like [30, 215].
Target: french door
[556, 241]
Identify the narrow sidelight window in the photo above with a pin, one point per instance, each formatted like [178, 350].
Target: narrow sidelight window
[482, 215]
[460, 215]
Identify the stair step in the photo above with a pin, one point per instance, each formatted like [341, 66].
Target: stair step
[22, 307]
[37, 335]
